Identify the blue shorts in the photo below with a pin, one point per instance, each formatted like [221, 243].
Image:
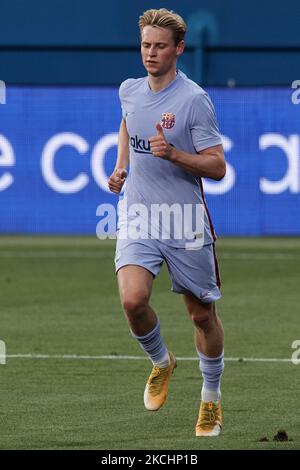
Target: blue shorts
[191, 271]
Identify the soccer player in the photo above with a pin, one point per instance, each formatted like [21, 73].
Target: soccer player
[169, 135]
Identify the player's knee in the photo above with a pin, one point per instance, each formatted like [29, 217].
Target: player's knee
[201, 319]
[135, 304]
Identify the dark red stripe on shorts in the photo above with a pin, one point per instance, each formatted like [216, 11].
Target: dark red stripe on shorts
[217, 267]
[207, 211]
[213, 233]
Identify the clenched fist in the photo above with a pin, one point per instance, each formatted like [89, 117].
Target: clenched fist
[117, 179]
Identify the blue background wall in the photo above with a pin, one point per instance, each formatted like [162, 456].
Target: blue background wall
[50, 137]
[93, 42]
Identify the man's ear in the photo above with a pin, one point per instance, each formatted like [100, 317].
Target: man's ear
[180, 48]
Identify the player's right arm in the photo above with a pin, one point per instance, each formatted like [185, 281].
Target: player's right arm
[118, 177]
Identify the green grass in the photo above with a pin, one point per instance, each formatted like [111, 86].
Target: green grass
[59, 296]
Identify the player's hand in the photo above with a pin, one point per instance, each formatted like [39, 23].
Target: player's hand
[117, 179]
[159, 145]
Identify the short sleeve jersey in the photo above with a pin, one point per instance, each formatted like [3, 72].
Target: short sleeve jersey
[188, 118]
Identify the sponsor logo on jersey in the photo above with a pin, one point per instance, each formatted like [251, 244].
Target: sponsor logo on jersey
[140, 145]
[168, 120]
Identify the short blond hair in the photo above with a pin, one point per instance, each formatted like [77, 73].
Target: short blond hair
[164, 18]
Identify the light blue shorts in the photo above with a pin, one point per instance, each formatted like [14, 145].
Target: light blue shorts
[191, 271]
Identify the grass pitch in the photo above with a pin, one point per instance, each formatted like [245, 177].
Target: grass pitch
[59, 297]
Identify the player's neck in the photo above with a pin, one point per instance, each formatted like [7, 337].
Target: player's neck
[158, 83]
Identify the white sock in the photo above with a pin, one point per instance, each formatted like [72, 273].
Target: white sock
[154, 346]
[164, 361]
[210, 395]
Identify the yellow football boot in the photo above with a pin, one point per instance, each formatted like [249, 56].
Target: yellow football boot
[210, 419]
[156, 390]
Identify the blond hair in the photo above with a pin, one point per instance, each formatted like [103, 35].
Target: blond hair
[164, 18]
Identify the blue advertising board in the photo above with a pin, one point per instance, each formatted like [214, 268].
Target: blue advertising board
[58, 147]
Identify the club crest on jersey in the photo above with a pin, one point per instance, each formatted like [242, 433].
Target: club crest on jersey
[167, 120]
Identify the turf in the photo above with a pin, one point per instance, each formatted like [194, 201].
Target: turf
[59, 296]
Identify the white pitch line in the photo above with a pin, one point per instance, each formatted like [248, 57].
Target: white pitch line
[137, 358]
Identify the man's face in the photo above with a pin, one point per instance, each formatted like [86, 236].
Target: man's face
[158, 49]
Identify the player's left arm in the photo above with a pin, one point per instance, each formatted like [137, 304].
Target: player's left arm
[208, 163]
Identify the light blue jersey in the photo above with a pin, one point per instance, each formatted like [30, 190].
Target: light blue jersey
[188, 118]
